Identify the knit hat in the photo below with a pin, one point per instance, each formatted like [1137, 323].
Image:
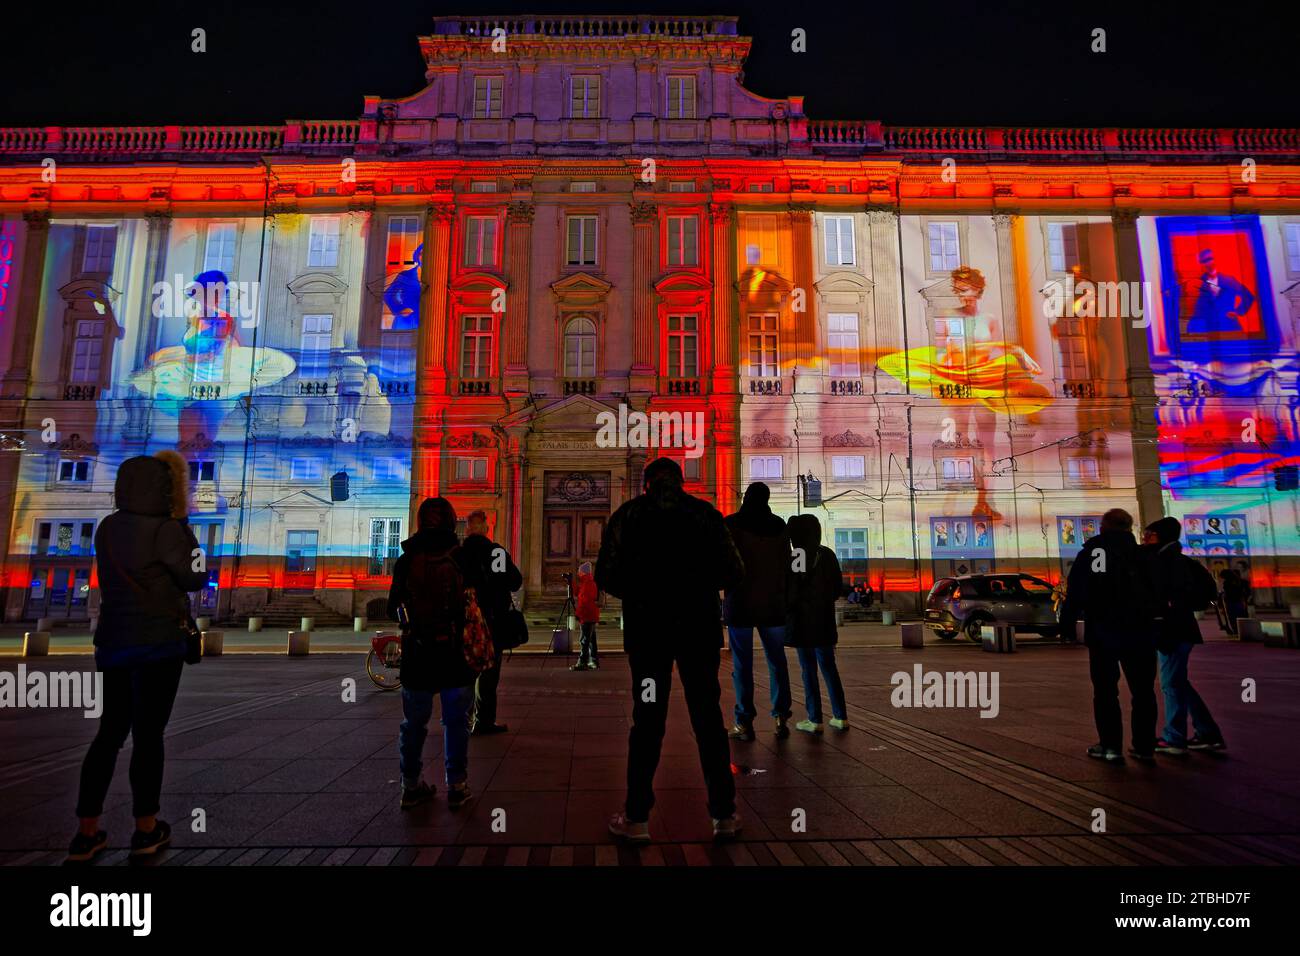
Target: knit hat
[1166, 529]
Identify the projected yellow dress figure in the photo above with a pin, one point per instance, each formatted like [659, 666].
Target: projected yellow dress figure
[972, 358]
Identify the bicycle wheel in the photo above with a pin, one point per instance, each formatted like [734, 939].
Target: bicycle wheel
[383, 677]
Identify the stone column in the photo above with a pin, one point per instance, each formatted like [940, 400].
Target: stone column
[1141, 380]
[28, 312]
[645, 249]
[1008, 269]
[805, 323]
[722, 354]
[158, 226]
[887, 277]
[431, 360]
[519, 255]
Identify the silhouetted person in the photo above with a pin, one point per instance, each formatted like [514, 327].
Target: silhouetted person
[145, 553]
[587, 609]
[1182, 587]
[812, 589]
[667, 554]
[1107, 590]
[500, 579]
[1235, 593]
[759, 602]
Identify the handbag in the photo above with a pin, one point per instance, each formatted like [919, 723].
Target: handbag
[513, 629]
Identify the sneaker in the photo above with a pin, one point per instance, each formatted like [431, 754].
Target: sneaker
[1165, 747]
[594, 665]
[839, 724]
[1141, 756]
[741, 732]
[1105, 753]
[84, 848]
[457, 794]
[414, 796]
[728, 828]
[808, 727]
[623, 828]
[147, 844]
[580, 666]
[1205, 743]
[782, 728]
[486, 730]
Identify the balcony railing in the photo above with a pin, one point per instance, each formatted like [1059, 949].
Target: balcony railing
[952, 391]
[683, 386]
[474, 386]
[765, 386]
[579, 386]
[1079, 389]
[317, 386]
[205, 393]
[80, 393]
[394, 387]
[846, 386]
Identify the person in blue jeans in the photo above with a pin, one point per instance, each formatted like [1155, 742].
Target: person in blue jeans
[813, 587]
[1179, 584]
[758, 603]
[428, 598]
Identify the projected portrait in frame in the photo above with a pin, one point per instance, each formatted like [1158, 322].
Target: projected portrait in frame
[1217, 295]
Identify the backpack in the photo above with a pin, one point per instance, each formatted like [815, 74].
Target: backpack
[442, 608]
[1197, 585]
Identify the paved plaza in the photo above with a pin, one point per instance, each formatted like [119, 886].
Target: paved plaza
[286, 772]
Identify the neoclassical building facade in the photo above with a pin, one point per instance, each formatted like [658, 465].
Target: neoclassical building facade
[957, 346]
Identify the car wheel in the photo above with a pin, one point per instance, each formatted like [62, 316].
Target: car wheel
[973, 629]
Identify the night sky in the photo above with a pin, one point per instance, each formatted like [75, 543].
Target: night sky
[904, 62]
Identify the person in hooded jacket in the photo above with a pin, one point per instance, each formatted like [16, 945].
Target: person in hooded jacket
[144, 553]
[812, 588]
[758, 602]
[587, 610]
[666, 554]
[1177, 579]
[500, 580]
[433, 663]
[1106, 587]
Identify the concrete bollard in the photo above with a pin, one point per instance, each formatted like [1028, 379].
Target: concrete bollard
[887, 615]
[1250, 630]
[1077, 637]
[36, 644]
[45, 624]
[299, 643]
[839, 617]
[359, 624]
[1295, 610]
[1281, 633]
[307, 624]
[213, 643]
[254, 625]
[999, 638]
[203, 623]
[913, 634]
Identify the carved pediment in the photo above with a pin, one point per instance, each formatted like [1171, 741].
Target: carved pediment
[846, 439]
[576, 413]
[318, 283]
[580, 290]
[766, 439]
[961, 442]
[844, 283]
[76, 445]
[470, 440]
[758, 282]
[200, 442]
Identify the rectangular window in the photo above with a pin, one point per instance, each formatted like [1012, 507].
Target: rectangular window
[483, 186]
[305, 469]
[1072, 347]
[385, 544]
[945, 246]
[1083, 469]
[842, 345]
[481, 241]
[101, 243]
[848, 466]
[1292, 233]
[759, 187]
[764, 466]
[763, 341]
[691, 469]
[87, 350]
[950, 342]
[404, 237]
[683, 241]
[317, 339]
[760, 239]
[957, 469]
[388, 468]
[476, 347]
[78, 470]
[203, 470]
[323, 242]
[840, 249]
[682, 186]
[683, 346]
[584, 97]
[471, 469]
[581, 241]
[582, 186]
[851, 549]
[219, 252]
[1062, 246]
[487, 97]
[681, 97]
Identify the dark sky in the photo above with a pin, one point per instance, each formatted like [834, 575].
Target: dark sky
[905, 61]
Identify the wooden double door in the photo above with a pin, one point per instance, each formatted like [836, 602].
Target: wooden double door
[574, 512]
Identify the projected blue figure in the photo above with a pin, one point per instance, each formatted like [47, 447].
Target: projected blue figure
[402, 297]
[1219, 300]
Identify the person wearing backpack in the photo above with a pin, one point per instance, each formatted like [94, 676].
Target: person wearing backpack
[1106, 589]
[1182, 587]
[500, 579]
[812, 589]
[433, 595]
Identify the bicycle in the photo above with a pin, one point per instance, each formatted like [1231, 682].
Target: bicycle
[384, 662]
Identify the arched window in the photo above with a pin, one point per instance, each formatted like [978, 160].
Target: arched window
[580, 348]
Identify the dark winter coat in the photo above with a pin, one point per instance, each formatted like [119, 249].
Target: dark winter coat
[811, 594]
[498, 585]
[428, 664]
[1166, 567]
[145, 553]
[764, 545]
[1116, 603]
[667, 554]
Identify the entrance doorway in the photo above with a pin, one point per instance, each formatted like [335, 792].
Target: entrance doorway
[300, 561]
[59, 591]
[574, 512]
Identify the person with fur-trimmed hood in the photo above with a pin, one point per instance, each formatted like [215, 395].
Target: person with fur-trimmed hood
[145, 557]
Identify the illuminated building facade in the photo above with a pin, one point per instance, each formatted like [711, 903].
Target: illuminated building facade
[970, 339]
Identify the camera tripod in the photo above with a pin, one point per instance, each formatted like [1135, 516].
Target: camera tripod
[563, 621]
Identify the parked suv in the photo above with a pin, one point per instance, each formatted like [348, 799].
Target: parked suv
[963, 605]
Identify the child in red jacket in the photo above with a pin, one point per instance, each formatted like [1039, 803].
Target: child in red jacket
[588, 612]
